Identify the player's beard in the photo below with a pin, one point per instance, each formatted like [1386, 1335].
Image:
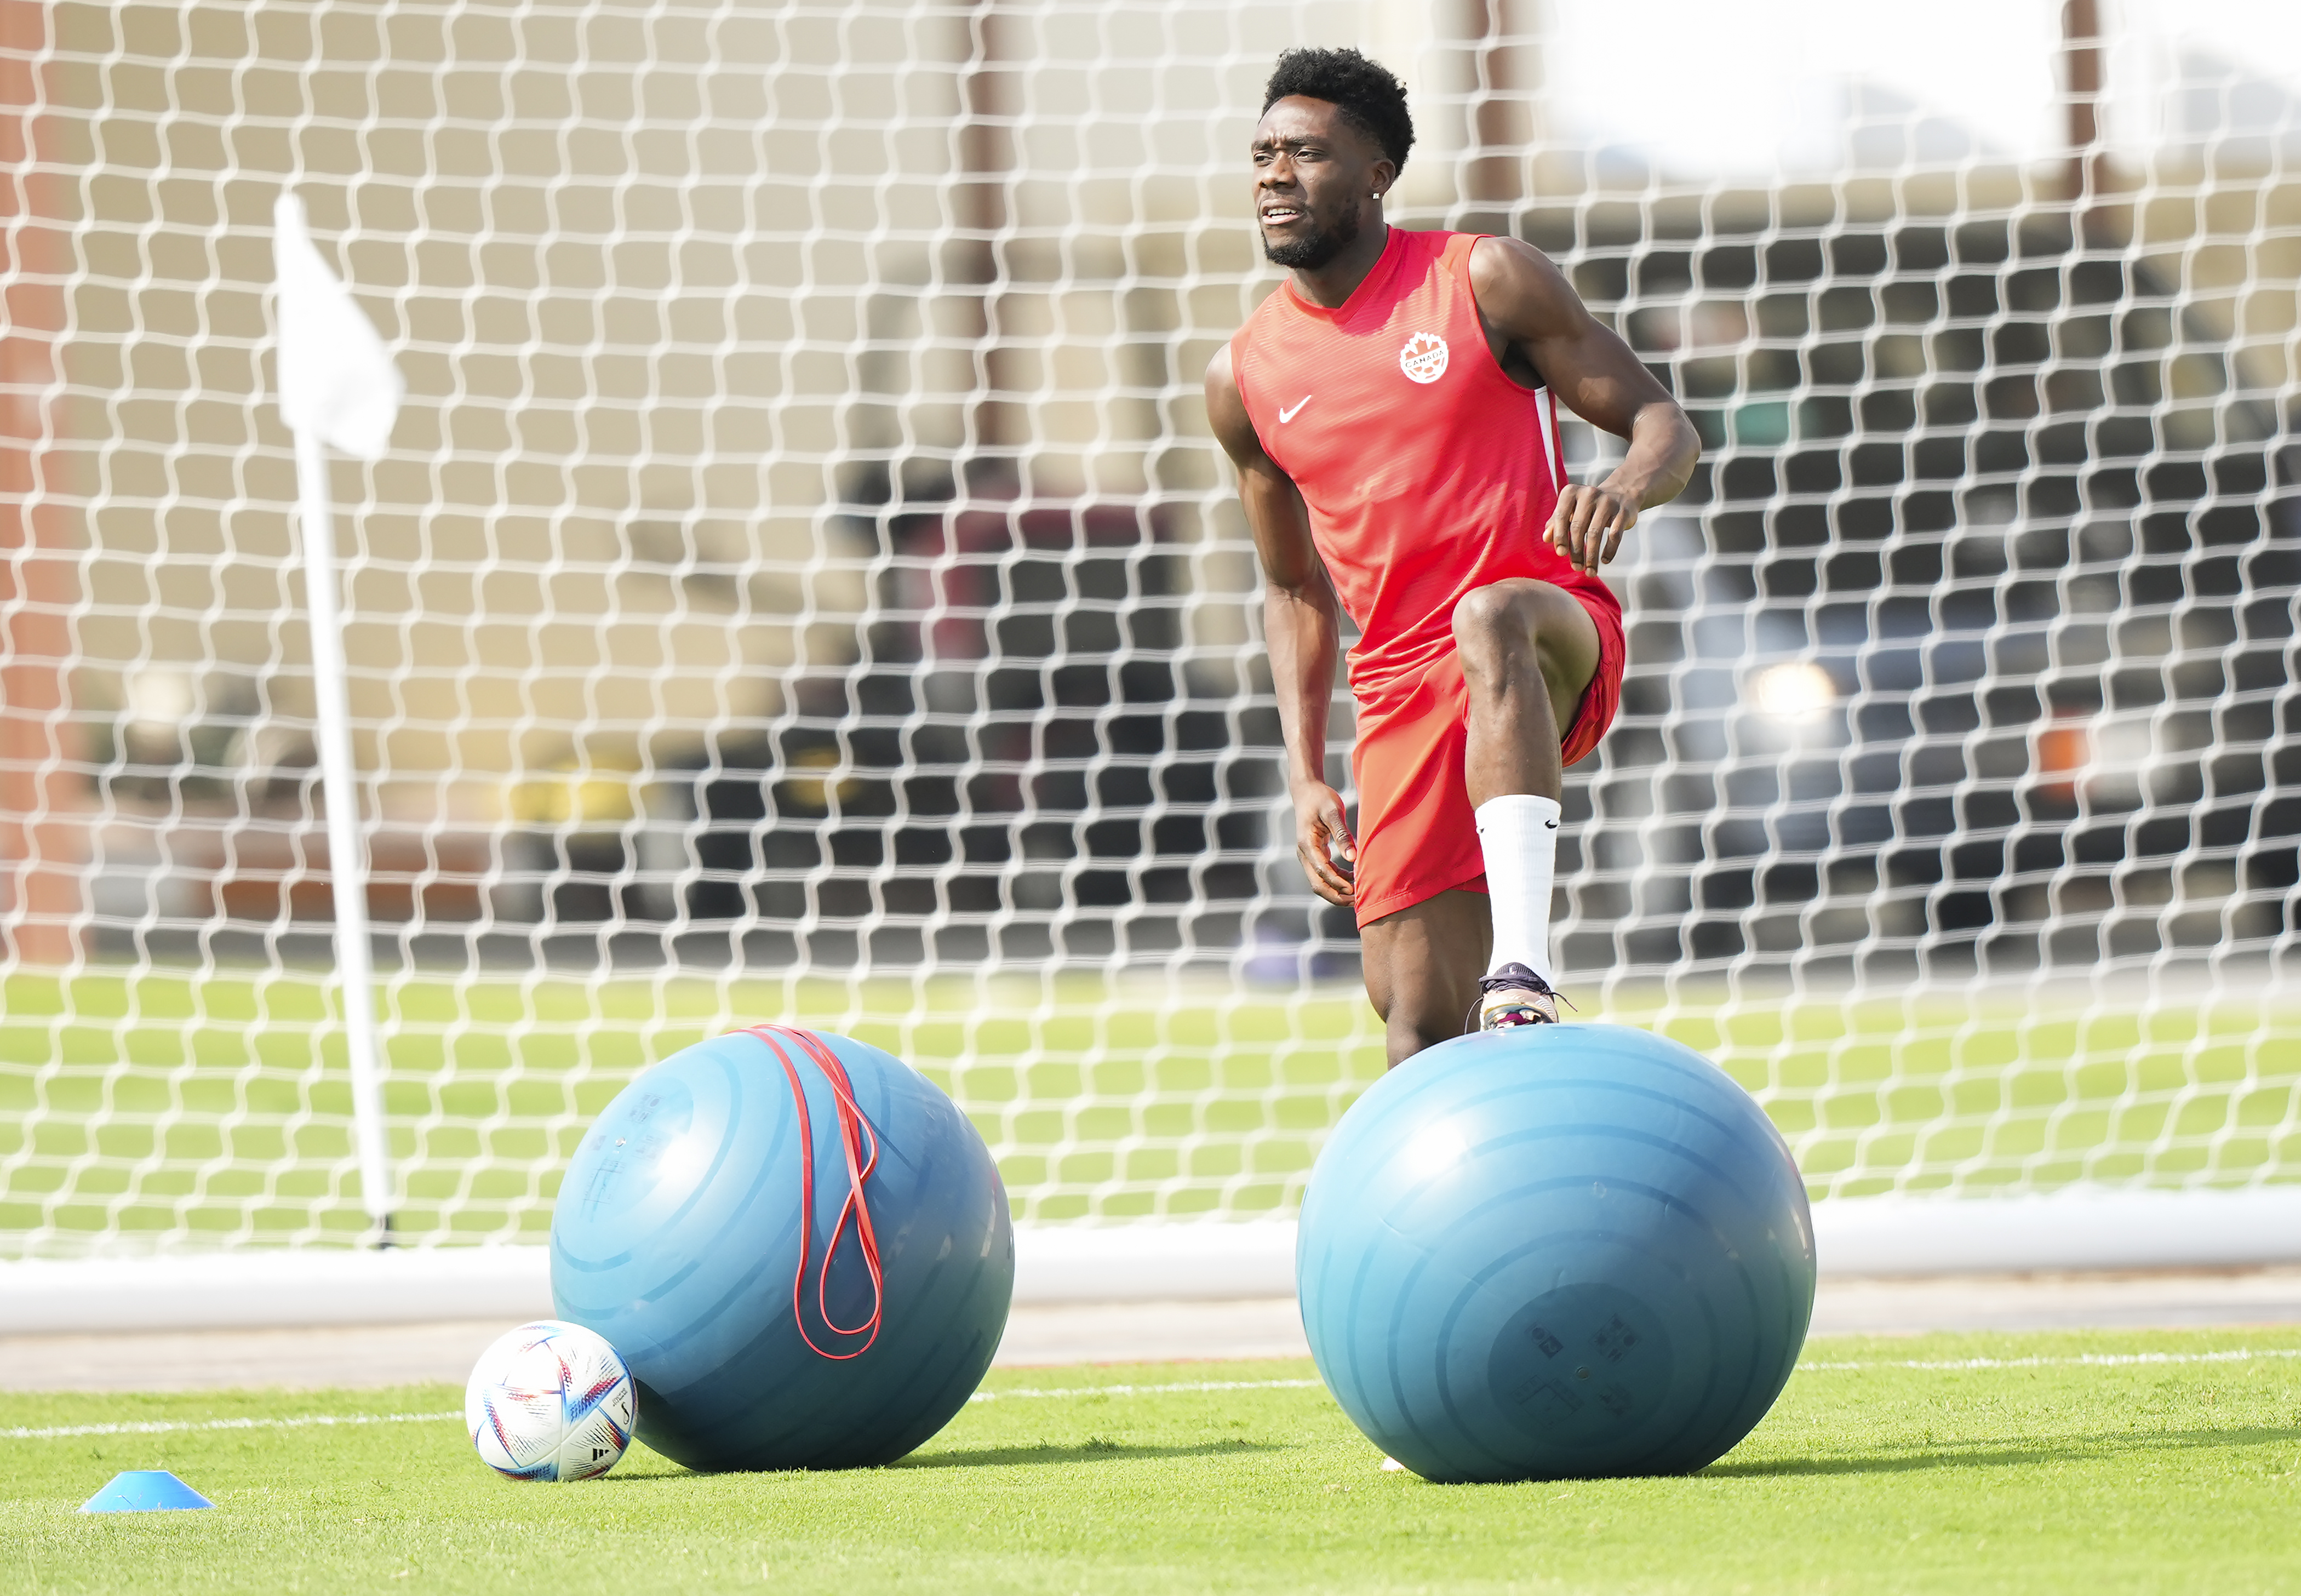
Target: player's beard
[1315, 248]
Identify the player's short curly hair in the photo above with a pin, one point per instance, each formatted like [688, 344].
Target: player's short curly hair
[1370, 99]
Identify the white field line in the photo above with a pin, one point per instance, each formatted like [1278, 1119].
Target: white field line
[2101, 1361]
[2077, 1360]
[318, 1420]
[305, 1422]
[1145, 1390]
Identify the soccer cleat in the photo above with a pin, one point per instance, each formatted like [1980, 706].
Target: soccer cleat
[1511, 997]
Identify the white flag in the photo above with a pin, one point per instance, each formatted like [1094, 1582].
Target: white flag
[336, 381]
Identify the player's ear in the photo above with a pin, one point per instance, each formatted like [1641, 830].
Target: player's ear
[1385, 176]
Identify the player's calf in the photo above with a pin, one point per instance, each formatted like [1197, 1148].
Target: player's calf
[1528, 650]
[1419, 1020]
[1422, 967]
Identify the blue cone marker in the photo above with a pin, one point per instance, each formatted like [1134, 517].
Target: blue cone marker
[144, 1491]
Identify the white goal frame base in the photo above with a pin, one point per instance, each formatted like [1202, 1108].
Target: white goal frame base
[2071, 1232]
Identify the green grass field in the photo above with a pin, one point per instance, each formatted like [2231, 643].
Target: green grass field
[2087, 1462]
[207, 1110]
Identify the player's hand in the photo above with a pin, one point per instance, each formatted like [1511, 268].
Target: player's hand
[1588, 524]
[1324, 843]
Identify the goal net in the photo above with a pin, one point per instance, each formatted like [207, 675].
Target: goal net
[802, 585]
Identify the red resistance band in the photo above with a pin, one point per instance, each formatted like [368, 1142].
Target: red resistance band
[854, 1131]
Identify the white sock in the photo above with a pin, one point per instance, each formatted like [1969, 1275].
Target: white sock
[1518, 833]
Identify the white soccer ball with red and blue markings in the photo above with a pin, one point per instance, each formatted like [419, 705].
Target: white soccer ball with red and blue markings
[550, 1400]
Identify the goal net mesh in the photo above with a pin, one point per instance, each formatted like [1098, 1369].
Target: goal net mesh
[802, 586]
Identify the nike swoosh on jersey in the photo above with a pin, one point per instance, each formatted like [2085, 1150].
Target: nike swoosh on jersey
[1287, 415]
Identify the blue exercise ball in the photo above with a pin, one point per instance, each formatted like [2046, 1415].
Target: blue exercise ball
[680, 1235]
[1555, 1252]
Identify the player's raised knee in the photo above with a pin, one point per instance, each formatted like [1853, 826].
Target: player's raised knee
[1493, 617]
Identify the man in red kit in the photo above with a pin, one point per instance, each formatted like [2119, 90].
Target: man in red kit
[1389, 409]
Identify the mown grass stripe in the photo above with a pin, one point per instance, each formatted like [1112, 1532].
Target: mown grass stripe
[1824, 1367]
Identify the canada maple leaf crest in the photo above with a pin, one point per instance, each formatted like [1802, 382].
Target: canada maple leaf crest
[1424, 358]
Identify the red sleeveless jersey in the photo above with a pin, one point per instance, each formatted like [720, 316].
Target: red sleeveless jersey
[1427, 471]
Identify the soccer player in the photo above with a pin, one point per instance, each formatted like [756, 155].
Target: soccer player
[1390, 410]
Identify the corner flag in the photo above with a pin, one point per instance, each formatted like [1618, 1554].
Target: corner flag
[338, 388]
[336, 380]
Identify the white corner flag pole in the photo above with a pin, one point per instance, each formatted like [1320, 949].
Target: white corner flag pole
[337, 387]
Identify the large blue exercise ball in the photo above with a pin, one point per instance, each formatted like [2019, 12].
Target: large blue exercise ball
[678, 1235]
[1555, 1252]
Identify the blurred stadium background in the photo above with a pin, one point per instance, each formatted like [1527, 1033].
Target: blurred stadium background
[802, 583]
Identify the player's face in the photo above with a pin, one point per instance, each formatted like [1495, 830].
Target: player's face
[1315, 179]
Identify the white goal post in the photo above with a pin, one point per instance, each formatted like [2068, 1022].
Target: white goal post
[801, 585]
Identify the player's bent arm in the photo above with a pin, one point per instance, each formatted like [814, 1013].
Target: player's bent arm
[1526, 300]
[1302, 622]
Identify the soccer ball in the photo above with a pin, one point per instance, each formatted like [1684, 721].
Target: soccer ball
[551, 1401]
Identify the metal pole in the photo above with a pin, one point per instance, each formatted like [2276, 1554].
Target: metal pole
[47, 837]
[347, 854]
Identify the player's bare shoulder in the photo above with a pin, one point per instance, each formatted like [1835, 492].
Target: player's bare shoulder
[1227, 411]
[1520, 291]
[1221, 379]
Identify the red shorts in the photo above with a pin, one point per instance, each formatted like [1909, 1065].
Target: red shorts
[1416, 834]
